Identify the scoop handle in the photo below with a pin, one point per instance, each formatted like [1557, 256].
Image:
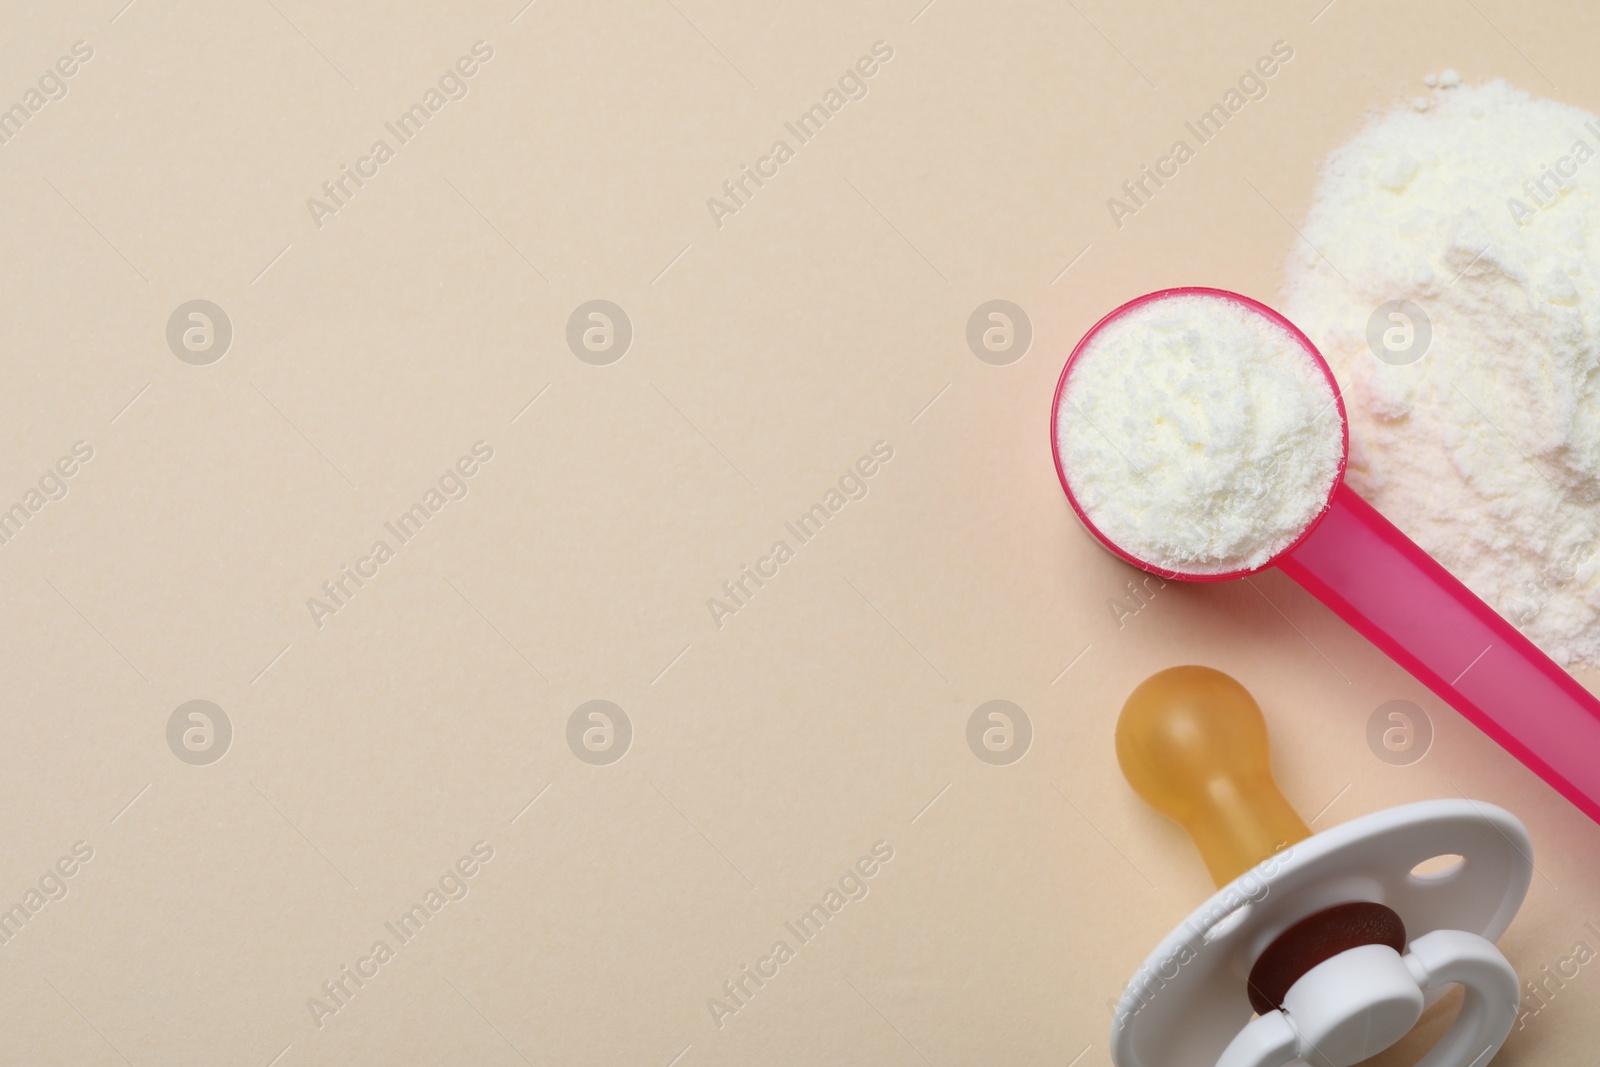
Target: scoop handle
[1374, 577]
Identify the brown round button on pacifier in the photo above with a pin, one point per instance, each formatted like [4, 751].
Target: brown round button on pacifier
[1316, 938]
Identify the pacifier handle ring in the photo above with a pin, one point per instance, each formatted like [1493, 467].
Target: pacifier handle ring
[1492, 994]
[1435, 960]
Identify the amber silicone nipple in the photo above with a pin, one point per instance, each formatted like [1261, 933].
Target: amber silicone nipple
[1192, 742]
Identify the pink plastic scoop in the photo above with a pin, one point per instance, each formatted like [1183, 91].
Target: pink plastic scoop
[1357, 563]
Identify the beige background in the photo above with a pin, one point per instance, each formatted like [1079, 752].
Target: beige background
[768, 354]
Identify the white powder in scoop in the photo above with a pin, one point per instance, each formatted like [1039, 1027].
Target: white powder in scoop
[1485, 447]
[1197, 435]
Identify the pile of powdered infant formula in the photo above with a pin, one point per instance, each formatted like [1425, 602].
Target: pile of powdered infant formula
[1451, 277]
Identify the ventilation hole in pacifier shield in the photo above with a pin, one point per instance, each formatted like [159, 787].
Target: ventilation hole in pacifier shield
[1440, 868]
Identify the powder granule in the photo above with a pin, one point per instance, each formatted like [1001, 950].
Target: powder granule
[1483, 443]
[1197, 435]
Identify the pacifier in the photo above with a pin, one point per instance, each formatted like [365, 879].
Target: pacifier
[1317, 948]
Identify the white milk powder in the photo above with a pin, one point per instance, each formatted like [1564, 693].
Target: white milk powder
[1197, 435]
[1481, 210]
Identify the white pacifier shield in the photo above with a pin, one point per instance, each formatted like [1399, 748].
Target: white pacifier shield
[1189, 1001]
